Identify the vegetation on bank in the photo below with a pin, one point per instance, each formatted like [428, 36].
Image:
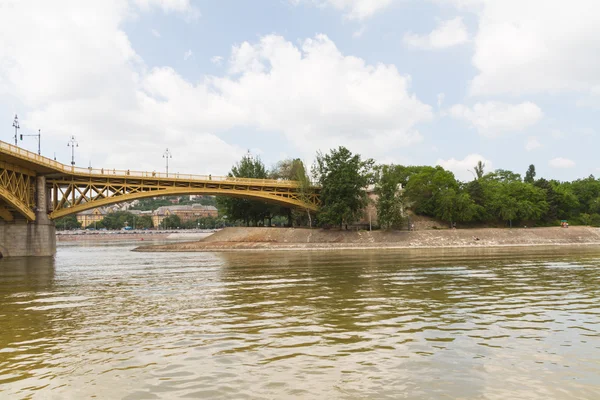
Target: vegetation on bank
[492, 198]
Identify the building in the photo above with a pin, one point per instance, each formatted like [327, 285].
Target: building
[89, 217]
[185, 213]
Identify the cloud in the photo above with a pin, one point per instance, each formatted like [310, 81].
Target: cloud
[125, 114]
[560, 162]
[155, 33]
[536, 46]
[440, 99]
[447, 34]
[463, 169]
[352, 9]
[532, 143]
[493, 119]
[187, 55]
[320, 98]
[178, 6]
[217, 60]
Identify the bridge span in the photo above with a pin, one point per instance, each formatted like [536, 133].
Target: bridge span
[34, 190]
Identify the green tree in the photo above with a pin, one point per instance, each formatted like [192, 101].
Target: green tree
[424, 187]
[343, 178]
[530, 174]
[67, 223]
[242, 209]
[453, 206]
[389, 204]
[142, 222]
[479, 169]
[172, 221]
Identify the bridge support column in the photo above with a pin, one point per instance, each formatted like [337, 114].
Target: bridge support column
[21, 238]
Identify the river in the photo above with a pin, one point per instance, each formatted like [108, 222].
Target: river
[101, 321]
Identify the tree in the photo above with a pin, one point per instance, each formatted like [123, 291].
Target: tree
[171, 221]
[304, 187]
[455, 206]
[117, 220]
[423, 189]
[343, 178]
[67, 223]
[503, 175]
[530, 174]
[479, 172]
[389, 204]
[242, 209]
[143, 222]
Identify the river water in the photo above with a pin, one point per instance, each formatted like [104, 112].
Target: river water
[101, 321]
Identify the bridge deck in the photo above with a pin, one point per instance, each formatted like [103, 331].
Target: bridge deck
[75, 189]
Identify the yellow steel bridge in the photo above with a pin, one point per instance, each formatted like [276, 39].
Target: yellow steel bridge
[30, 184]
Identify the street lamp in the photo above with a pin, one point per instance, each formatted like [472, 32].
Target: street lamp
[39, 138]
[72, 144]
[166, 156]
[16, 126]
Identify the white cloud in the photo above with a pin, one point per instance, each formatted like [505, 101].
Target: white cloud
[561, 162]
[535, 46]
[217, 60]
[320, 98]
[352, 9]
[464, 169]
[179, 6]
[494, 119]
[447, 34]
[187, 55]
[125, 114]
[155, 33]
[532, 143]
[440, 99]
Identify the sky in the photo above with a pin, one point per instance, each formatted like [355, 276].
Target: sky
[413, 82]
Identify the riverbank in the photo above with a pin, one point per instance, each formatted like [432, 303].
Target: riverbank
[245, 239]
[76, 236]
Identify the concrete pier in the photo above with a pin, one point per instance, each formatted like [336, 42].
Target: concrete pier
[21, 238]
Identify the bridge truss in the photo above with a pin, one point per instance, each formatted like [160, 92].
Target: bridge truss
[17, 191]
[73, 194]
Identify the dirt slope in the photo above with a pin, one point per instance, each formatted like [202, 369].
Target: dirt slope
[289, 238]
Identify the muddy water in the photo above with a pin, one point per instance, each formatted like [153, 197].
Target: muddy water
[102, 321]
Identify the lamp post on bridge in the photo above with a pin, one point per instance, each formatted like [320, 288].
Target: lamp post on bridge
[16, 126]
[72, 144]
[166, 156]
[39, 138]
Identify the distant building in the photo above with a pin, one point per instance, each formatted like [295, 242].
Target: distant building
[89, 217]
[185, 213]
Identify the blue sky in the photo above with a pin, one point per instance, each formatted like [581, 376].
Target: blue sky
[431, 82]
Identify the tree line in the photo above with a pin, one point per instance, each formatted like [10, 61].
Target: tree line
[491, 198]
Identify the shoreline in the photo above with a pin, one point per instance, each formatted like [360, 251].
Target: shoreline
[77, 236]
[291, 239]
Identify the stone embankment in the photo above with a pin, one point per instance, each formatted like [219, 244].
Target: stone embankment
[239, 239]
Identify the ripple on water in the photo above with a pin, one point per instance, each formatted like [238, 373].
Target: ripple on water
[102, 321]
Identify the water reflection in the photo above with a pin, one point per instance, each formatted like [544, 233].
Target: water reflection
[487, 324]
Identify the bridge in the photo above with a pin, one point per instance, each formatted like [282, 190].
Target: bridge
[34, 190]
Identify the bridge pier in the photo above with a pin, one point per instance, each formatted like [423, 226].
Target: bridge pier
[21, 238]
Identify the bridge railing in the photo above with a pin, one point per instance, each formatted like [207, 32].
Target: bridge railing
[107, 172]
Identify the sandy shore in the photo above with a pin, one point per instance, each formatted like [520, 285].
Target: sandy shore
[272, 239]
[131, 235]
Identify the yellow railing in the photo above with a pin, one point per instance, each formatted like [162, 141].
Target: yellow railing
[107, 172]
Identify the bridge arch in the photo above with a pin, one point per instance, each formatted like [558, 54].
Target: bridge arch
[283, 198]
[14, 203]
